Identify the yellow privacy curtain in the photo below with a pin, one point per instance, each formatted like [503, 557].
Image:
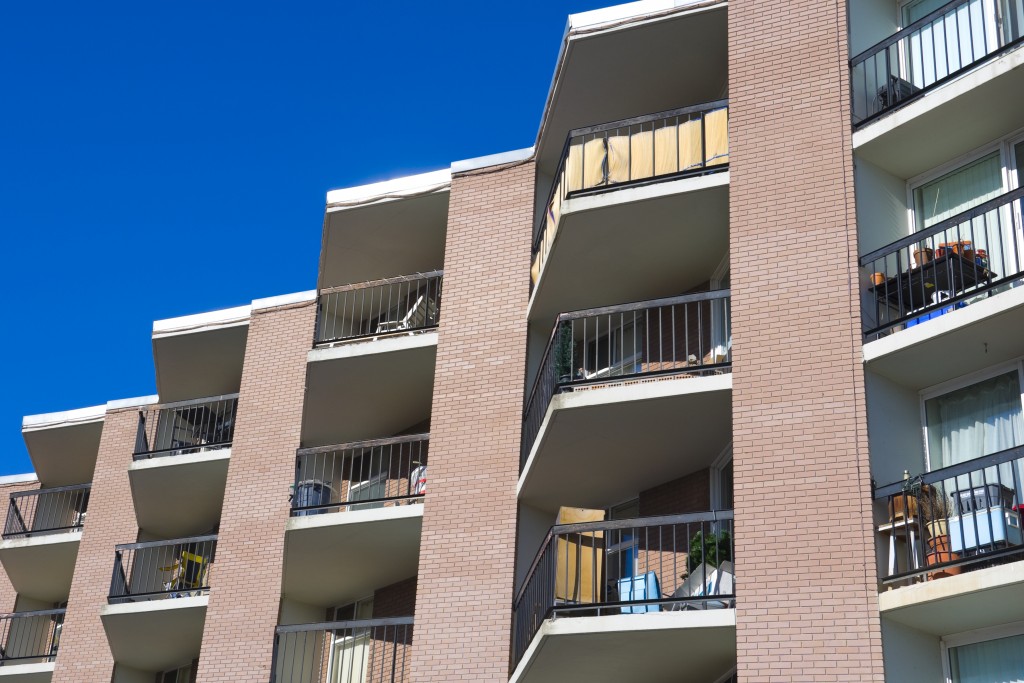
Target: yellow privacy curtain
[594, 163]
[716, 130]
[618, 159]
[690, 152]
[666, 153]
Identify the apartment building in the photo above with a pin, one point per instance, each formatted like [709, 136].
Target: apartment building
[718, 381]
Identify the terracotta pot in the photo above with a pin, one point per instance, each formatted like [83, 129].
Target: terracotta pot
[938, 544]
[923, 256]
[877, 279]
[901, 504]
[937, 531]
[940, 556]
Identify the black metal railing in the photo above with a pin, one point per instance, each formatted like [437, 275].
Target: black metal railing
[362, 650]
[360, 475]
[195, 426]
[670, 144]
[946, 520]
[931, 51]
[47, 511]
[628, 566]
[936, 270]
[30, 637]
[370, 309]
[686, 335]
[162, 569]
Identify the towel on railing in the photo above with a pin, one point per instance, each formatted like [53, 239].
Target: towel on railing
[716, 131]
[618, 159]
[690, 150]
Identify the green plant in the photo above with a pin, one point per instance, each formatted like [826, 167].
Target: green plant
[711, 548]
[563, 353]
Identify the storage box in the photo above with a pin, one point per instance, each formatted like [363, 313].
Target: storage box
[643, 587]
[994, 526]
[981, 497]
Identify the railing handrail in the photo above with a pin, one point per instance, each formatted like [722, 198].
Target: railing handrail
[905, 31]
[35, 613]
[952, 471]
[156, 544]
[942, 226]
[381, 282]
[187, 403]
[369, 443]
[340, 625]
[55, 489]
[607, 525]
[538, 231]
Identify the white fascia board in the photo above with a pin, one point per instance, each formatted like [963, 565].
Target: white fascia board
[201, 322]
[64, 418]
[19, 478]
[136, 402]
[389, 190]
[492, 160]
[284, 299]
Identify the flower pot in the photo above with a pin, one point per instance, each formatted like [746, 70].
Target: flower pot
[923, 256]
[937, 532]
[902, 504]
[878, 279]
[939, 555]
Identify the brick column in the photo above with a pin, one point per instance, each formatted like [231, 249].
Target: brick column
[467, 556]
[84, 654]
[8, 596]
[805, 560]
[245, 585]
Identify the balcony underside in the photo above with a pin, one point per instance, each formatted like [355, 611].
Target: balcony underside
[64, 455]
[957, 117]
[41, 567]
[368, 389]
[952, 345]
[384, 239]
[180, 495]
[339, 557]
[628, 70]
[155, 635]
[956, 604]
[602, 445]
[206, 362]
[27, 673]
[634, 243]
[665, 647]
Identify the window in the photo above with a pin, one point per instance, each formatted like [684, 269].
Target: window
[179, 675]
[991, 656]
[350, 651]
[958, 191]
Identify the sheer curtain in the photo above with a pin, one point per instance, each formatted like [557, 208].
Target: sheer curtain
[991, 661]
[975, 421]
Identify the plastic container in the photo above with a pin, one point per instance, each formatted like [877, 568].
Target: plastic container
[982, 497]
[309, 494]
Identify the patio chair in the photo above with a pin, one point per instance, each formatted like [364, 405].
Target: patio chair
[415, 317]
[188, 575]
[706, 581]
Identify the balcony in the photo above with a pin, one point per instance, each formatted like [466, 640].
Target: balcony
[950, 541]
[362, 650]
[663, 169]
[940, 87]
[180, 463]
[356, 518]
[636, 599]
[651, 379]
[30, 641]
[376, 344]
[64, 446]
[946, 300]
[41, 537]
[157, 601]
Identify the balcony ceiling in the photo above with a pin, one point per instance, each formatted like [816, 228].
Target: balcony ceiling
[64, 455]
[206, 362]
[634, 244]
[181, 495]
[602, 446]
[338, 557]
[369, 389]
[631, 70]
[386, 239]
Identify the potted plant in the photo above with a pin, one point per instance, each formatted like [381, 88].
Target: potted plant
[935, 511]
[904, 505]
[563, 354]
[712, 549]
[923, 254]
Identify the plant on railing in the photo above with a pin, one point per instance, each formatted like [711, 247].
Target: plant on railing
[712, 549]
[563, 353]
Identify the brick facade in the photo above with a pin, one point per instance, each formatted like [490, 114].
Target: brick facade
[807, 594]
[84, 653]
[467, 557]
[245, 590]
[690, 493]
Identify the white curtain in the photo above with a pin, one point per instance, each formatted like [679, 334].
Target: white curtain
[966, 35]
[975, 421]
[991, 661]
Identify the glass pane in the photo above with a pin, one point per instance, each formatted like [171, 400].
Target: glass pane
[992, 661]
[1018, 155]
[978, 420]
[958, 191]
[912, 11]
[725, 483]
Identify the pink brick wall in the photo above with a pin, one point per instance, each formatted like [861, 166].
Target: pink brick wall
[245, 590]
[467, 556]
[806, 587]
[84, 654]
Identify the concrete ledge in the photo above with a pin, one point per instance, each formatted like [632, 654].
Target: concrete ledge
[389, 190]
[41, 538]
[64, 418]
[28, 672]
[145, 606]
[179, 460]
[384, 344]
[284, 300]
[202, 322]
[492, 160]
[342, 517]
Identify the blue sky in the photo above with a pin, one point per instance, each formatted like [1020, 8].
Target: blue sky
[161, 159]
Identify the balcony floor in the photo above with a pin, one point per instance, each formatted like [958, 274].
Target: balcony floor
[27, 673]
[696, 646]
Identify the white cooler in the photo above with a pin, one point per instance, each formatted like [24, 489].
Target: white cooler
[994, 525]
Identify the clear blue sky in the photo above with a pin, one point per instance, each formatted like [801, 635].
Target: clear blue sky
[159, 159]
